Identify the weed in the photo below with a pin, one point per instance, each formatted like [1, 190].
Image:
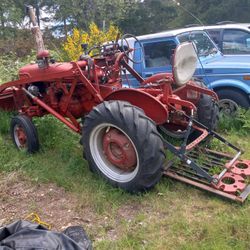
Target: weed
[215, 170]
[247, 180]
[5, 122]
[238, 123]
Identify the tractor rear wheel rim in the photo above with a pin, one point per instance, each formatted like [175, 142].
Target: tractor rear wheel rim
[20, 136]
[114, 152]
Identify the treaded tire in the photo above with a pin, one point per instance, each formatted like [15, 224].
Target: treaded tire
[236, 96]
[32, 142]
[140, 130]
[208, 112]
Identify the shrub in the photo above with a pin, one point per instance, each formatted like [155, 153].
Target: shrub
[10, 64]
[95, 36]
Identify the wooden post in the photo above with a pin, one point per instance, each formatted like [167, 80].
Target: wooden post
[36, 30]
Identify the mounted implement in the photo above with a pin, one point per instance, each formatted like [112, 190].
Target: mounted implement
[125, 132]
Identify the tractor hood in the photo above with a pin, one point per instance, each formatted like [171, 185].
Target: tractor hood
[33, 71]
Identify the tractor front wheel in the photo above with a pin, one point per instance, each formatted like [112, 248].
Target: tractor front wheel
[24, 133]
[122, 145]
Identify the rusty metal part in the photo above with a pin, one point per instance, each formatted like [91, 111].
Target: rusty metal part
[241, 168]
[119, 150]
[240, 198]
[7, 100]
[53, 112]
[20, 135]
[204, 134]
[232, 184]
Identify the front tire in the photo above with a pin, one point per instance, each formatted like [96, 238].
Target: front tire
[123, 145]
[24, 134]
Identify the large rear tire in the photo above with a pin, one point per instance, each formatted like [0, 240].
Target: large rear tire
[123, 145]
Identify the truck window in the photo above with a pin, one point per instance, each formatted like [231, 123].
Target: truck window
[158, 54]
[236, 42]
[215, 35]
[201, 41]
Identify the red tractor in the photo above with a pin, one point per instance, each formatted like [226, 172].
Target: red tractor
[124, 131]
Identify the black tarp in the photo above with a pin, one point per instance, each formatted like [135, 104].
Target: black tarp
[24, 235]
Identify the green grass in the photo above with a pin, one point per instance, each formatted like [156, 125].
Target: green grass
[171, 216]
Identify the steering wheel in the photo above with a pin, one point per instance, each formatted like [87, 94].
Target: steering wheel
[127, 50]
[104, 49]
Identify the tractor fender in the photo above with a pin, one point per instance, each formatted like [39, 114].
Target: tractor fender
[153, 108]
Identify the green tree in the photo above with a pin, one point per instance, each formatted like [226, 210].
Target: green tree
[147, 17]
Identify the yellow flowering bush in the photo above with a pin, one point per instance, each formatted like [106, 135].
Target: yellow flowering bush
[95, 36]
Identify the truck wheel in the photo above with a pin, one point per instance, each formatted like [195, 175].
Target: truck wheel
[122, 145]
[230, 100]
[24, 134]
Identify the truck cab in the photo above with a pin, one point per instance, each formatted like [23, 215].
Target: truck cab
[228, 76]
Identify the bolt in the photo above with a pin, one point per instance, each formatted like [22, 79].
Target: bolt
[215, 181]
[107, 129]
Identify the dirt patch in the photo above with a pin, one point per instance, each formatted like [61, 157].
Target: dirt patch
[129, 211]
[19, 197]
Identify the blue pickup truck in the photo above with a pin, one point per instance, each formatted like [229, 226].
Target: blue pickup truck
[227, 75]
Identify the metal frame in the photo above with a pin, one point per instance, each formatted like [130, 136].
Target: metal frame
[191, 172]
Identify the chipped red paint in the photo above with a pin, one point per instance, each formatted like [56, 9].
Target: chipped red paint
[231, 183]
[21, 136]
[241, 168]
[119, 150]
